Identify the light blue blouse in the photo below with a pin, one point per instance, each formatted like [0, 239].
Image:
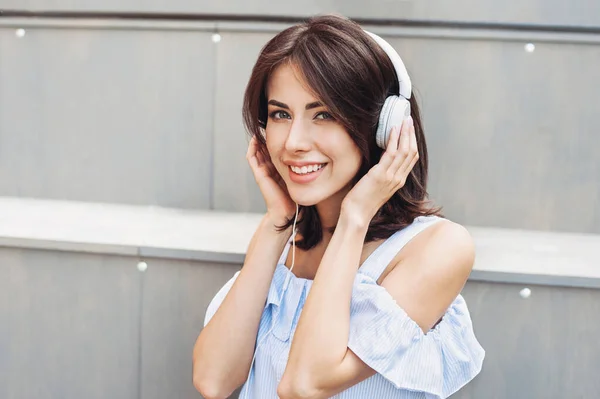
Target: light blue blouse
[409, 363]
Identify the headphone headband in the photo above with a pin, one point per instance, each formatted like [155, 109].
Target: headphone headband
[403, 78]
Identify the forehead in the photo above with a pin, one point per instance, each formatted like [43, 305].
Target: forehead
[287, 85]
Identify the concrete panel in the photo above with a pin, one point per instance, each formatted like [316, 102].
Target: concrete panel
[175, 297]
[512, 135]
[507, 146]
[545, 346]
[69, 325]
[235, 188]
[551, 12]
[107, 116]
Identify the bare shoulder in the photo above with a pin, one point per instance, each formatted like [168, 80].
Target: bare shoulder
[447, 239]
[430, 271]
[445, 244]
[445, 247]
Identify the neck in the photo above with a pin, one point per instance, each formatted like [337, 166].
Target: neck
[329, 210]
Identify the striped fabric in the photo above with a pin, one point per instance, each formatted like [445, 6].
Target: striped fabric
[409, 363]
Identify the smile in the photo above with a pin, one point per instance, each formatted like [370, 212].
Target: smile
[305, 174]
[302, 170]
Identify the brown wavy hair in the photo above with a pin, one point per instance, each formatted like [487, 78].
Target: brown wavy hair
[350, 73]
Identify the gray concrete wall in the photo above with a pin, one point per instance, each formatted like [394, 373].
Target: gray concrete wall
[149, 113]
[505, 150]
[69, 325]
[107, 115]
[76, 325]
[552, 12]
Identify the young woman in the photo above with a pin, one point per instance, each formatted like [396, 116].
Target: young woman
[367, 303]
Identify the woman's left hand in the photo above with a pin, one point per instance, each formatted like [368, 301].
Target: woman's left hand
[385, 178]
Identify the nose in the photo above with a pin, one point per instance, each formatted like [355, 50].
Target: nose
[298, 139]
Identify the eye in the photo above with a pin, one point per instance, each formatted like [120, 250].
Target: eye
[279, 114]
[324, 115]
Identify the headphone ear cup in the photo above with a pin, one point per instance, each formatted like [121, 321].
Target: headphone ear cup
[394, 111]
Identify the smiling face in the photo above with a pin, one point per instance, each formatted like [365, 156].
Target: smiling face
[312, 152]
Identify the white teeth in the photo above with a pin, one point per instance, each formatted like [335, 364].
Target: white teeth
[306, 169]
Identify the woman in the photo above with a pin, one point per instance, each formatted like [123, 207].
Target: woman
[367, 303]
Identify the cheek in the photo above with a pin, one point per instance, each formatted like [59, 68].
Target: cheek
[275, 144]
[349, 166]
[348, 156]
[272, 140]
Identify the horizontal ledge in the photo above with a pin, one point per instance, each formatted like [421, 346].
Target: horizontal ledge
[186, 254]
[534, 279]
[429, 31]
[503, 255]
[238, 258]
[68, 246]
[291, 19]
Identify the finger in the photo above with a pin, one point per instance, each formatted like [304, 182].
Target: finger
[409, 146]
[405, 137]
[260, 156]
[413, 137]
[413, 147]
[252, 161]
[253, 155]
[405, 170]
[403, 173]
[251, 148]
[392, 148]
[403, 150]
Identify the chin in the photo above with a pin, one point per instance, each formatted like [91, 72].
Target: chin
[307, 198]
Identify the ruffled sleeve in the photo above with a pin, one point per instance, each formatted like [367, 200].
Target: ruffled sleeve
[217, 300]
[383, 336]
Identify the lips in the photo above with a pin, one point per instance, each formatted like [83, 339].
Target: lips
[306, 173]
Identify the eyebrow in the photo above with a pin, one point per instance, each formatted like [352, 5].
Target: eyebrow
[312, 105]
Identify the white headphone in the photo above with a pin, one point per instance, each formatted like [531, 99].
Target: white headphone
[396, 108]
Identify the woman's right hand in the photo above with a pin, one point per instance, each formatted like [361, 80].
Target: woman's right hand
[279, 204]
